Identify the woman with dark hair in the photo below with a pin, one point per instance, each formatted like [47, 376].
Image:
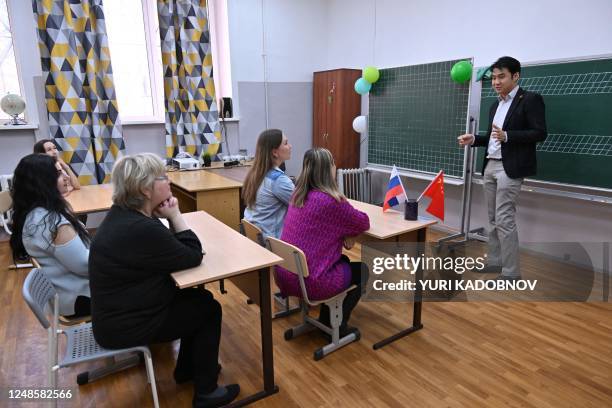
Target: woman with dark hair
[267, 189]
[48, 147]
[45, 228]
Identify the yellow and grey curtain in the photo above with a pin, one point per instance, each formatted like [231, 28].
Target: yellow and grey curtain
[79, 89]
[192, 119]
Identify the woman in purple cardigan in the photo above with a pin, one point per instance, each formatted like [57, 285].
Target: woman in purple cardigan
[320, 221]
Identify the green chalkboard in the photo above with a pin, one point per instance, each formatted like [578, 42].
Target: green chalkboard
[578, 99]
[415, 115]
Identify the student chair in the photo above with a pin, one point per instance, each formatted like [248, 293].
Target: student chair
[38, 292]
[295, 262]
[64, 320]
[253, 232]
[6, 203]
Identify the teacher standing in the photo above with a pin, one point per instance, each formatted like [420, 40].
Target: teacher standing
[517, 121]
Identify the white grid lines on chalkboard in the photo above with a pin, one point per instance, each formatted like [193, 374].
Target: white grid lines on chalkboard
[593, 145]
[415, 116]
[572, 84]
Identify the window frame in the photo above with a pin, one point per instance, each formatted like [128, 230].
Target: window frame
[30, 114]
[156, 71]
[149, 16]
[217, 14]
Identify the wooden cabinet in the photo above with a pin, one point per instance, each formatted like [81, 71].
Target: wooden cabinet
[336, 104]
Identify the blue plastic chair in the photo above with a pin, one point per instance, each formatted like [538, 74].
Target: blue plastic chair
[38, 292]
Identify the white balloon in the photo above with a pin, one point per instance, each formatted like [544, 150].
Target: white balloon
[360, 124]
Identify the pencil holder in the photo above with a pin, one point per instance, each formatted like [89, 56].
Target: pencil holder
[411, 210]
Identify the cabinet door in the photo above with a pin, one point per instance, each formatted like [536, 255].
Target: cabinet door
[334, 127]
[350, 109]
[342, 140]
[319, 124]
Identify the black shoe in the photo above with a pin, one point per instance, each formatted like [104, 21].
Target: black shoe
[183, 376]
[223, 395]
[489, 269]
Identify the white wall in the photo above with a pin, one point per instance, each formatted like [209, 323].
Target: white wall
[295, 42]
[294, 45]
[420, 31]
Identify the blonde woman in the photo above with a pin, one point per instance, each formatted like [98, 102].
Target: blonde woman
[134, 299]
[320, 221]
[267, 190]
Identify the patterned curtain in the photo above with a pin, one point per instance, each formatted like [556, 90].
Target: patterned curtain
[79, 89]
[192, 119]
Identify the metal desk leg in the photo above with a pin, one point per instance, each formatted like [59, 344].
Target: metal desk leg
[418, 299]
[267, 351]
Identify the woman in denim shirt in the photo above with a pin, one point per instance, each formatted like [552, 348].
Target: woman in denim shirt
[267, 190]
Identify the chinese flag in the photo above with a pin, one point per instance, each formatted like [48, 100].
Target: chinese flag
[435, 191]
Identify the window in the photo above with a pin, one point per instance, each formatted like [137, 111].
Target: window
[135, 47]
[133, 40]
[219, 39]
[9, 80]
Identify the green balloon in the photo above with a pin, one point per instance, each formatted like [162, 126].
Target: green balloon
[371, 74]
[461, 72]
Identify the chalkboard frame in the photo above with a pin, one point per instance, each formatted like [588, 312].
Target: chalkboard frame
[426, 175]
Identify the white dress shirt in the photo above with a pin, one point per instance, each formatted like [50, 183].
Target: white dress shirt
[494, 148]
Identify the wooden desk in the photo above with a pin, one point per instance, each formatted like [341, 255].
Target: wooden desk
[236, 173]
[390, 226]
[91, 198]
[206, 191]
[246, 256]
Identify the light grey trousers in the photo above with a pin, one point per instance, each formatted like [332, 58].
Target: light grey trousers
[501, 193]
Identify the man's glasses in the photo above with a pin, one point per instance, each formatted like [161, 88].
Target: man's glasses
[162, 178]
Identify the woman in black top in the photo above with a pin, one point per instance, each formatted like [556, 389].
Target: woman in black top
[134, 299]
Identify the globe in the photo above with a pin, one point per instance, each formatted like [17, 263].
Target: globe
[13, 105]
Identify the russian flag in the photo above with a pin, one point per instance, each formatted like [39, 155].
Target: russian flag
[395, 191]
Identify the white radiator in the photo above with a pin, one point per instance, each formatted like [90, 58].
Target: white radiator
[355, 184]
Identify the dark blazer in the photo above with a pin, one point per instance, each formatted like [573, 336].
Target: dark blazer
[525, 125]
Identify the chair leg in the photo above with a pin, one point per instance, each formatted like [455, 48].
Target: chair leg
[328, 348]
[287, 310]
[305, 327]
[6, 228]
[335, 318]
[151, 377]
[279, 299]
[90, 376]
[222, 287]
[50, 359]
[335, 310]
[298, 330]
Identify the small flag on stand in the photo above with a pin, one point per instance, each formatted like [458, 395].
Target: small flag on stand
[435, 191]
[395, 191]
